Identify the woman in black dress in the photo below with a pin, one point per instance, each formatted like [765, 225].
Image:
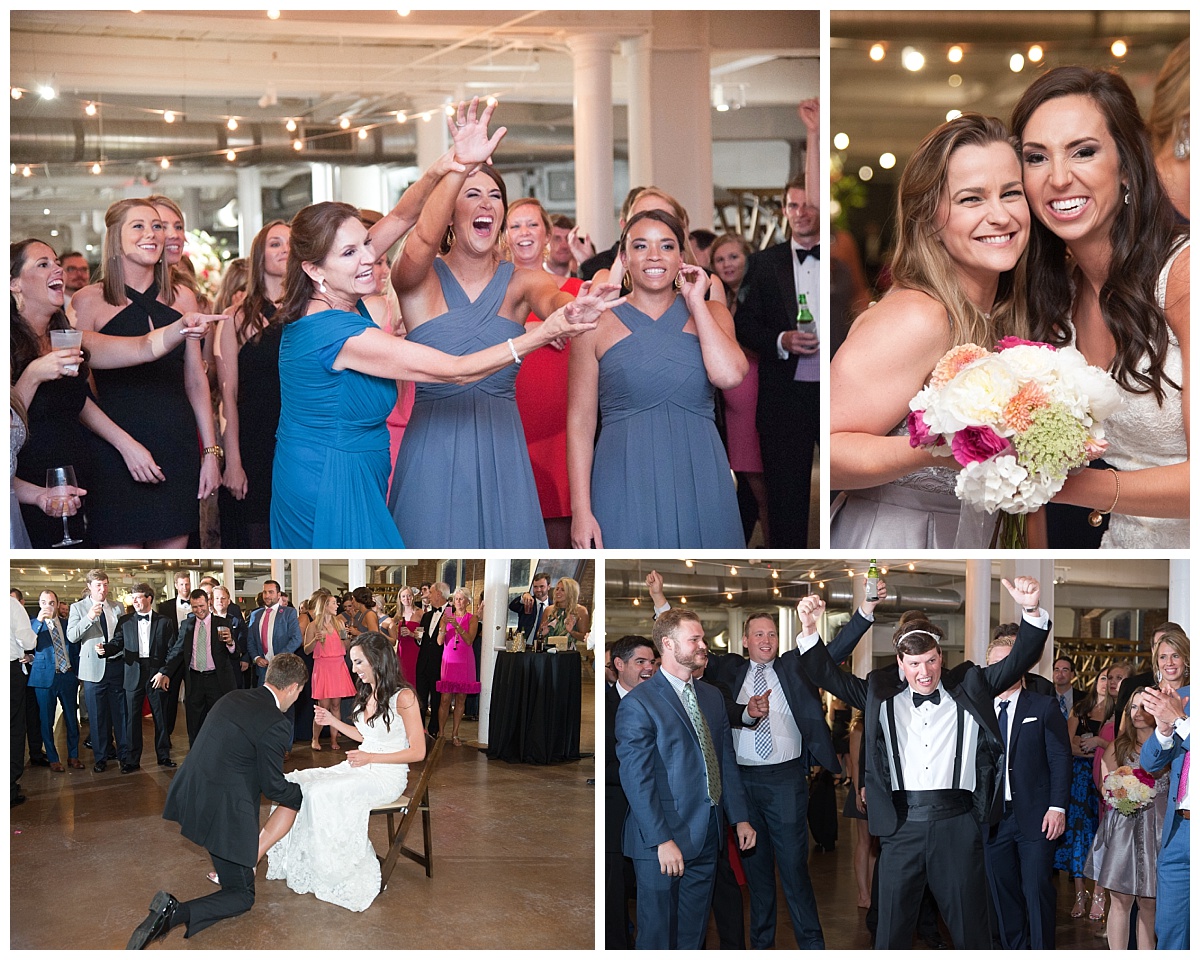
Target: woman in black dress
[166, 405]
[248, 369]
[52, 385]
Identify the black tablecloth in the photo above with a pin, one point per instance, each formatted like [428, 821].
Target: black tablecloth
[536, 703]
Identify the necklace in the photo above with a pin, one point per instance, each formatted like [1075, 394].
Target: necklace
[348, 307]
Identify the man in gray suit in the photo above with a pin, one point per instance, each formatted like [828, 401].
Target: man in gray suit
[92, 624]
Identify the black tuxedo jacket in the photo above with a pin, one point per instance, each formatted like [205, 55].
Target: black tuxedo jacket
[429, 656]
[167, 609]
[973, 688]
[803, 697]
[1038, 761]
[237, 755]
[767, 309]
[224, 663]
[616, 806]
[163, 633]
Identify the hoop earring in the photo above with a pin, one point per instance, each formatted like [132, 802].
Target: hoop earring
[678, 281]
[450, 238]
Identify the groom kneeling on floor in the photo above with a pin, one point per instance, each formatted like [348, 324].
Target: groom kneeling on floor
[237, 755]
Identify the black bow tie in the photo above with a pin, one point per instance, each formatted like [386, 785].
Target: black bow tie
[143, 616]
[935, 698]
[814, 252]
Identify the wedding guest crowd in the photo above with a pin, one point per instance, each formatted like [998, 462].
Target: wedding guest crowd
[278, 397]
[967, 778]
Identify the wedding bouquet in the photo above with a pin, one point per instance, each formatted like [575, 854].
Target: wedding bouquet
[1017, 419]
[1128, 789]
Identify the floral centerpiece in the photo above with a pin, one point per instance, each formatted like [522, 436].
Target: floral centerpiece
[1128, 789]
[1017, 419]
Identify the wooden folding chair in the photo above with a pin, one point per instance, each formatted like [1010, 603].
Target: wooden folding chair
[406, 808]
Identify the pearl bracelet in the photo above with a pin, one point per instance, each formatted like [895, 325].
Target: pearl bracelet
[513, 349]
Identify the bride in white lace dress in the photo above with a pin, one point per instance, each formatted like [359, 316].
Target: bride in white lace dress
[327, 852]
[1108, 256]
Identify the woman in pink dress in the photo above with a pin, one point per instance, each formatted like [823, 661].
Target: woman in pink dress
[408, 621]
[456, 633]
[330, 678]
[542, 380]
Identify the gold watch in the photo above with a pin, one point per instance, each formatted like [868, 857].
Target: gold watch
[216, 451]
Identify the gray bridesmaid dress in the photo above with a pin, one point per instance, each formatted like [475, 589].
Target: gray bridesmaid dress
[463, 478]
[660, 476]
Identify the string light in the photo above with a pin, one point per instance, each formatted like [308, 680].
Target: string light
[230, 155]
[168, 116]
[232, 123]
[688, 563]
[165, 163]
[733, 571]
[344, 123]
[774, 574]
[955, 54]
[1119, 48]
[297, 145]
[878, 52]
[1016, 63]
[637, 602]
[90, 109]
[290, 125]
[96, 168]
[912, 59]
[683, 599]
[841, 141]
[26, 171]
[272, 14]
[362, 133]
[887, 160]
[47, 92]
[16, 93]
[1036, 53]
[401, 116]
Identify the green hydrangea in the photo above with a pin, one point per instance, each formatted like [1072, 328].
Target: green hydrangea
[1054, 443]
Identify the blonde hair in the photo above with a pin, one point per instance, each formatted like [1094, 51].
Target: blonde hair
[112, 270]
[572, 590]
[921, 261]
[1172, 100]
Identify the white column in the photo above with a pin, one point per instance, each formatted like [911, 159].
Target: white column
[636, 52]
[1179, 596]
[1043, 570]
[356, 572]
[977, 610]
[323, 187]
[733, 626]
[278, 572]
[250, 214]
[433, 139]
[789, 626]
[495, 584]
[592, 56]
[306, 577]
[364, 187]
[227, 577]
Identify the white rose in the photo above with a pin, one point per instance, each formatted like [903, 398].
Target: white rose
[976, 397]
[1032, 363]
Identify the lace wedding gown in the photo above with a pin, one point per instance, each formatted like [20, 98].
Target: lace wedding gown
[327, 852]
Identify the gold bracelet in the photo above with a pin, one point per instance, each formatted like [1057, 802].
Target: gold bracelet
[1096, 517]
[216, 451]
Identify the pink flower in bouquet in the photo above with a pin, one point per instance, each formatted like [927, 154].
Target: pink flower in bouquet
[1009, 342]
[976, 444]
[1018, 412]
[1144, 777]
[919, 434]
[1095, 448]
[953, 361]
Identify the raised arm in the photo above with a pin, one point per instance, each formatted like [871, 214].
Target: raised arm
[816, 662]
[1031, 636]
[847, 638]
[724, 361]
[107, 352]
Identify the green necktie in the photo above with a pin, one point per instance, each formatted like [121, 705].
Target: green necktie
[201, 646]
[711, 771]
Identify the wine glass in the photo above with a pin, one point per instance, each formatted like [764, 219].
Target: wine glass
[58, 480]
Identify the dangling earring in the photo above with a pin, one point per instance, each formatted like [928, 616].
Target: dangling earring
[1183, 143]
[450, 238]
[678, 281]
[1126, 196]
[321, 284]
[1158, 676]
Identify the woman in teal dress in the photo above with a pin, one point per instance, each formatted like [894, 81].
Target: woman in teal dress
[338, 370]
[658, 476]
[463, 477]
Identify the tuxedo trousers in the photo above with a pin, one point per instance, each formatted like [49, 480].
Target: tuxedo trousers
[947, 855]
[778, 804]
[1020, 875]
[787, 436]
[235, 897]
[158, 713]
[204, 690]
[672, 912]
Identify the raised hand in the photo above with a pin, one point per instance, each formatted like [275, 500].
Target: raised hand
[468, 127]
[1026, 591]
[809, 610]
[693, 283]
[581, 244]
[592, 301]
[869, 606]
[810, 113]
[654, 583]
[194, 326]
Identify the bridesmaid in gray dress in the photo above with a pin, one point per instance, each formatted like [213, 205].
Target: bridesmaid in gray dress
[658, 476]
[958, 278]
[1124, 855]
[462, 476]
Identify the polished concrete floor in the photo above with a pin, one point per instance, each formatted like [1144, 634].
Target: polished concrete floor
[844, 924]
[513, 862]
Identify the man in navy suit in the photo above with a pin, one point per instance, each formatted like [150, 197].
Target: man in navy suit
[932, 762]
[1171, 743]
[145, 636]
[54, 678]
[779, 732]
[681, 778]
[530, 606]
[273, 629]
[1018, 851]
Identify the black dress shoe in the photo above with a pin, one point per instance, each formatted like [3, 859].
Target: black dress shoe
[17, 800]
[130, 767]
[167, 763]
[42, 761]
[88, 743]
[101, 766]
[157, 923]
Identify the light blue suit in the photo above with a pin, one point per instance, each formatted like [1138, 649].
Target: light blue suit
[662, 772]
[1171, 919]
[285, 636]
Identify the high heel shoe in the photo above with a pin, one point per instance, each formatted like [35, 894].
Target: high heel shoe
[1097, 911]
[1081, 902]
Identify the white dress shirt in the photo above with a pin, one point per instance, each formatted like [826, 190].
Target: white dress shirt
[1183, 727]
[143, 630]
[786, 743]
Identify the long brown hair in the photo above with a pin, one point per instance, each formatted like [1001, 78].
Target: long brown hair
[389, 679]
[448, 236]
[313, 231]
[180, 276]
[23, 345]
[921, 261]
[1125, 744]
[251, 322]
[112, 269]
[1143, 233]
